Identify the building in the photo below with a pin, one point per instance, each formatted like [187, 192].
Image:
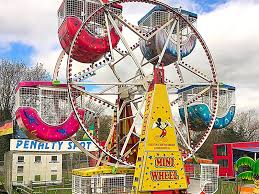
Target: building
[28, 168]
[227, 154]
[33, 162]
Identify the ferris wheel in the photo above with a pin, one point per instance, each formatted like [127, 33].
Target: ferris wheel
[119, 57]
[108, 46]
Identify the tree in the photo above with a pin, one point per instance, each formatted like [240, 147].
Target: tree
[246, 125]
[11, 74]
[244, 128]
[105, 126]
[252, 174]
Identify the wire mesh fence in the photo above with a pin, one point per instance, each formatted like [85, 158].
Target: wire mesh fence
[193, 170]
[102, 184]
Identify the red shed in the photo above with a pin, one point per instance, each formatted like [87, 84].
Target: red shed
[227, 154]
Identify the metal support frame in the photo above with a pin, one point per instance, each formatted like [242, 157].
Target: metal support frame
[125, 43]
[109, 35]
[198, 73]
[104, 83]
[179, 58]
[132, 127]
[166, 44]
[94, 96]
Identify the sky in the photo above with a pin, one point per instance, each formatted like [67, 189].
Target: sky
[28, 33]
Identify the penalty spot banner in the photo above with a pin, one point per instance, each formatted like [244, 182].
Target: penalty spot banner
[61, 146]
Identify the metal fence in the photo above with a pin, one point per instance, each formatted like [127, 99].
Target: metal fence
[193, 170]
[102, 184]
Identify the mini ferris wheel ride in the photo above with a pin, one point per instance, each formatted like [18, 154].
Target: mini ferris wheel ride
[134, 69]
[156, 48]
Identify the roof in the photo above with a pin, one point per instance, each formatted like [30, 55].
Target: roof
[254, 150]
[161, 8]
[229, 87]
[37, 84]
[246, 146]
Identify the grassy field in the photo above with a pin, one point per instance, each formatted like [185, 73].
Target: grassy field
[65, 188]
[228, 187]
[51, 190]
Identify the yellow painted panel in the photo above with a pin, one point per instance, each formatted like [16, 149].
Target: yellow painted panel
[161, 131]
[88, 172]
[159, 164]
[164, 172]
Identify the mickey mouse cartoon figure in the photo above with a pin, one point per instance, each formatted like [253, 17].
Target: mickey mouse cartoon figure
[161, 125]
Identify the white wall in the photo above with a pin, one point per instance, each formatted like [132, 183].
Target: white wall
[45, 168]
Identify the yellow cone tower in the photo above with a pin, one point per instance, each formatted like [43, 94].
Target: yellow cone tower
[159, 165]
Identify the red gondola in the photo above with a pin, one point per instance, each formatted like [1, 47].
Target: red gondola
[93, 43]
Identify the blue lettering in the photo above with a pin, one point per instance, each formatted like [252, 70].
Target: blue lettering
[74, 146]
[26, 144]
[70, 145]
[47, 146]
[88, 144]
[33, 145]
[19, 143]
[82, 144]
[40, 146]
[60, 145]
[53, 145]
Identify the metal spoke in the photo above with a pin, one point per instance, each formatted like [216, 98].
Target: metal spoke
[127, 25]
[92, 95]
[87, 153]
[132, 126]
[57, 66]
[109, 35]
[196, 97]
[176, 65]
[125, 43]
[166, 44]
[195, 71]
[186, 115]
[159, 29]
[181, 135]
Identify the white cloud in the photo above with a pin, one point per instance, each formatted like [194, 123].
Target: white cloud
[31, 22]
[233, 38]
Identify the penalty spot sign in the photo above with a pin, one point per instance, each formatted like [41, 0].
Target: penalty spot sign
[61, 146]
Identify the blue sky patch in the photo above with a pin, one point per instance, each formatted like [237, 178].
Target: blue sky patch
[18, 52]
[209, 5]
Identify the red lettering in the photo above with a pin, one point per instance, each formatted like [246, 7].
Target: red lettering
[154, 176]
[164, 162]
[159, 162]
[167, 175]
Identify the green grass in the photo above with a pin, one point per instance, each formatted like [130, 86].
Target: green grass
[51, 189]
[2, 179]
[227, 187]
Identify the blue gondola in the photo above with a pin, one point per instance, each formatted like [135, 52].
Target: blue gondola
[199, 112]
[157, 17]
